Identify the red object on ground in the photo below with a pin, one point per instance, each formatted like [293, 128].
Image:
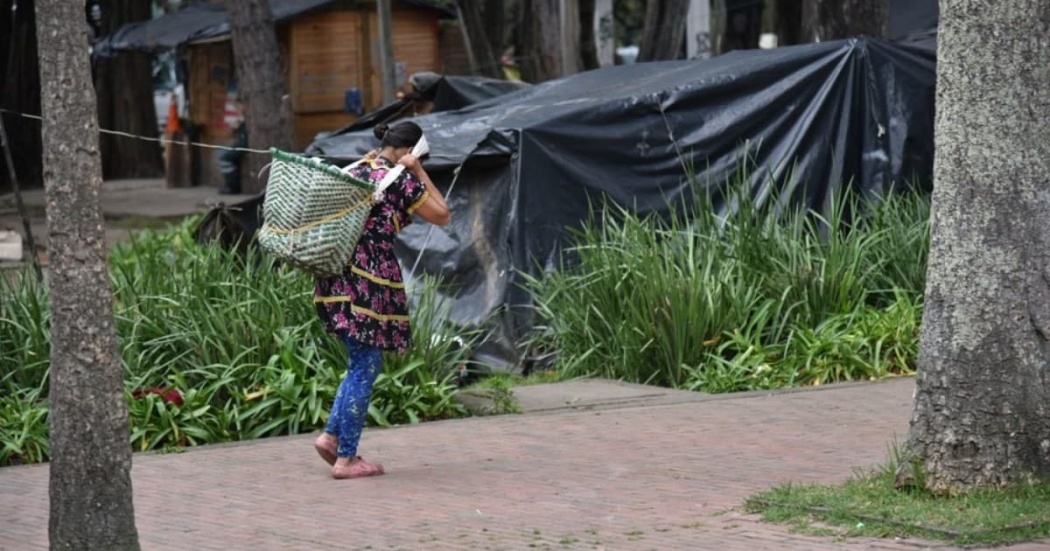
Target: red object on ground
[170, 395]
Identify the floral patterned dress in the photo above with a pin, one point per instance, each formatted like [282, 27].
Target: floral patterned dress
[367, 302]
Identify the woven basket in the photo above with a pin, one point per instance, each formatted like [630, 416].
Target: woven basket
[313, 214]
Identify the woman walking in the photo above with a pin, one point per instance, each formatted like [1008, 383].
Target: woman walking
[366, 305]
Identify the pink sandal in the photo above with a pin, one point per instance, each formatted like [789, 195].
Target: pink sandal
[327, 449]
[357, 469]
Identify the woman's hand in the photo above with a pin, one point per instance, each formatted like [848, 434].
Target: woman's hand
[411, 162]
[371, 155]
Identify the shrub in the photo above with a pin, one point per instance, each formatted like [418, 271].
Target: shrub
[755, 298]
[236, 337]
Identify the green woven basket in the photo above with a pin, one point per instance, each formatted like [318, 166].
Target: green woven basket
[313, 213]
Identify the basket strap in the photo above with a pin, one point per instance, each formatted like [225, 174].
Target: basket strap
[390, 177]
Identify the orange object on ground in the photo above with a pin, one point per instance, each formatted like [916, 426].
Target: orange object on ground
[173, 125]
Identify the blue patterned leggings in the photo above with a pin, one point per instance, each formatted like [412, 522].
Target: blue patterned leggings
[350, 409]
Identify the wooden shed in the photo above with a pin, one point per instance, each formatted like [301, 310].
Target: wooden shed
[331, 55]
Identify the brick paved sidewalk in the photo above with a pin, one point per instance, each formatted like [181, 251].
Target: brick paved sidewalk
[655, 477]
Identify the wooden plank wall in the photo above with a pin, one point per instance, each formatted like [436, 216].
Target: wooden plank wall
[325, 58]
[416, 46]
[211, 69]
[328, 53]
[335, 51]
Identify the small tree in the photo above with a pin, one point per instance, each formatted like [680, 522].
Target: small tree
[982, 401]
[91, 498]
[260, 84]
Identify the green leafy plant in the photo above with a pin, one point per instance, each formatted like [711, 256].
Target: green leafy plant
[235, 337]
[760, 296]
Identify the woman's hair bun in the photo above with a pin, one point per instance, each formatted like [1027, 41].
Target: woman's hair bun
[380, 131]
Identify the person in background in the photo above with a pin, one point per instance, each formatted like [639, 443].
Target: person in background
[230, 160]
[509, 65]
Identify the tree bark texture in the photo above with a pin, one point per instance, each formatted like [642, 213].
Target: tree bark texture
[124, 87]
[542, 55]
[20, 91]
[90, 485]
[664, 35]
[834, 19]
[260, 85]
[569, 23]
[982, 402]
[485, 56]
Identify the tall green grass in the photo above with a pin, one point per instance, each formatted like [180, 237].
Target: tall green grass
[238, 337]
[755, 298]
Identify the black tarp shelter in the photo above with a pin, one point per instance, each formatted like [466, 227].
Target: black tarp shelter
[812, 118]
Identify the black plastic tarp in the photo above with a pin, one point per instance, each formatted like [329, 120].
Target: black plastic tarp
[446, 92]
[456, 92]
[812, 118]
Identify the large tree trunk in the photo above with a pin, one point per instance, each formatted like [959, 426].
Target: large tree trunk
[20, 91]
[664, 34]
[496, 24]
[260, 85]
[543, 55]
[476, 24]
[835, 19]
[124, 87]
[588, 40]
[90, 490]
[982, 402]
[787, 20]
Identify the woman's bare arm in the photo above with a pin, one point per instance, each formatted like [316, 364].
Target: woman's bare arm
[434, 209]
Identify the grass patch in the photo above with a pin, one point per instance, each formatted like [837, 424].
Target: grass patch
[498, 388]
[135, 222]
[508, 380]
[868, 505]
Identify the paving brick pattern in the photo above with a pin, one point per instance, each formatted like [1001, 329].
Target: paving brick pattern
[640, 478]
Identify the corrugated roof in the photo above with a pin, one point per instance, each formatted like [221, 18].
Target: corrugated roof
[203, 22]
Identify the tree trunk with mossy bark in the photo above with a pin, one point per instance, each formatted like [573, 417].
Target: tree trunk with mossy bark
[260, 85]
[982, 402]
[90, 484]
